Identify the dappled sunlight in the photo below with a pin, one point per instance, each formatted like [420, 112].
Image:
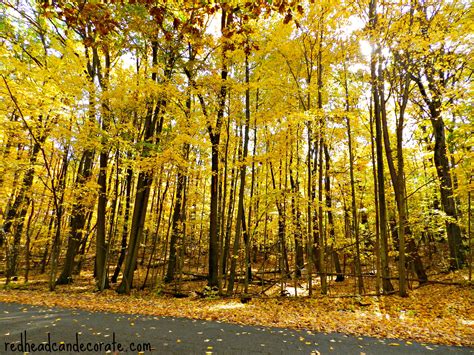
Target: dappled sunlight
[226, 306]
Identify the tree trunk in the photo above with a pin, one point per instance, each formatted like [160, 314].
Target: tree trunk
[176, 229]
[17, 212]
[58, 196]
[101, 246]
[398, 178]
[213, 218]
[296, 214]
[310, 226]
[443, 170]
[386, 284]
[322, 239]
[355, 223]
[438, 80]
[80, 208]
[230, 215]
[123, 243]
[153, 126]
[327, 188]
[240, 205]
[214, 135]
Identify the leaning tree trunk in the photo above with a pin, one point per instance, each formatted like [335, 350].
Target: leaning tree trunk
[153, 126]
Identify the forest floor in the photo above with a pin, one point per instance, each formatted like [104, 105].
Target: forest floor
[433, 313]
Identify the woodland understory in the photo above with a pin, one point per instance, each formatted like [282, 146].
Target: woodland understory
[303, 158]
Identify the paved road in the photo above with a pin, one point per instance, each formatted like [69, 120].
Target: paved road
[167, 335]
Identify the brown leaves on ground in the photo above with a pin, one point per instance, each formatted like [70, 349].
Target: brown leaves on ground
[434, 313]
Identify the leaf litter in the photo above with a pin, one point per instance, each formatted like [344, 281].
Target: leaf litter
[427, 315]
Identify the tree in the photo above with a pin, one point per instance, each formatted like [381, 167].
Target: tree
[378, 107]
[439, 73]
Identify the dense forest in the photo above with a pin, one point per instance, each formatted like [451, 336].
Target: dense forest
[150, 143]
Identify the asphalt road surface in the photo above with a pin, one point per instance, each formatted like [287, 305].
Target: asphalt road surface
[58, 330]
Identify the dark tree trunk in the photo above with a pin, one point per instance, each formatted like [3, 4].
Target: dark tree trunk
[152, 127]
[453, 230]
[101, 248]
[322, 239]
[141, 202]
[213, 218]
[214, 135]
[78, 219]
[438, 82]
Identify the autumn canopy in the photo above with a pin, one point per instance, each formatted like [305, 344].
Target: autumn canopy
[249, 147]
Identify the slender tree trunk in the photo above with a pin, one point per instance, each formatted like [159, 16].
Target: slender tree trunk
[153, 126]
[386, 284]
[101, 245]
[332, 235]
[378, 275]
[283, 257]
[398, 180]
[136, 231]
[322, 239]
[28, 242]
[240, 206]
[179, 207]
[224, 237]
[78, 219]
[123, 243]
[18, 211]
[160, 212]
[296, 214]
[398, 183]
[215, 134]
[176, 229]
[58, 198]
[355, 222]
[310, 196]
[230, 215]
[213, 230]
[245, 226]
